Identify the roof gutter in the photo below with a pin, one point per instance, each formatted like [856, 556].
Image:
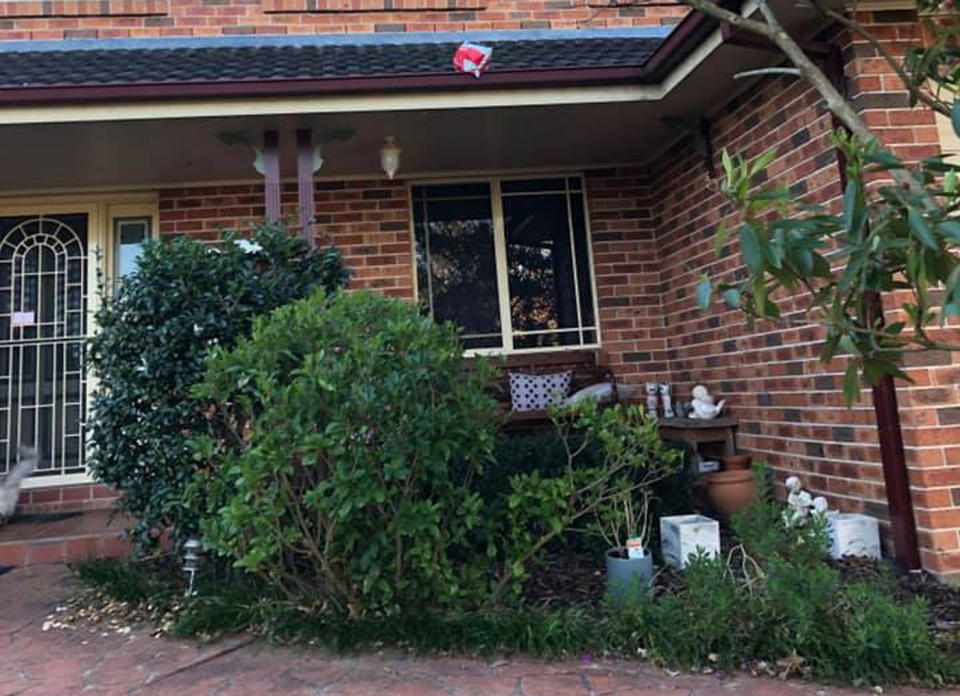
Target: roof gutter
[66, 94]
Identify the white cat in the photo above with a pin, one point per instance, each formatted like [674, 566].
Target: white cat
[10, 486]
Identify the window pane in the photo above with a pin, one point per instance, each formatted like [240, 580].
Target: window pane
[130, 236]
[456, 268]
[543, 290]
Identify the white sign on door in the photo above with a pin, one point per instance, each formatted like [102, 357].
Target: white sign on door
[23, 319]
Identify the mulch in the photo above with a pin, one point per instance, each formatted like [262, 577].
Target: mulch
[942, 600]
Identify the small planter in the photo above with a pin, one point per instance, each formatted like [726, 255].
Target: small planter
[683, 536]
[852, 534]
[628, 578]
[729, 491]
[736, 462]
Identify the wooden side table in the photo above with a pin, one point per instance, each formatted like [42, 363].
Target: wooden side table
[719, 432]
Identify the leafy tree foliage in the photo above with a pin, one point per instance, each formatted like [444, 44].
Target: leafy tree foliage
[897, 232]
[154, 333]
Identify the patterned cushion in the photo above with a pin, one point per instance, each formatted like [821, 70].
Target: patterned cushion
[537, 392]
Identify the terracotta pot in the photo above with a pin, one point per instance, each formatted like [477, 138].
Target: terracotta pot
[729, 491]
[737, 462]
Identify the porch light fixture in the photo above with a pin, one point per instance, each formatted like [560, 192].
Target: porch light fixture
[390, 157]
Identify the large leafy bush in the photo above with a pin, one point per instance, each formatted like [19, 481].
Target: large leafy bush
[154, 333]
[346, 433]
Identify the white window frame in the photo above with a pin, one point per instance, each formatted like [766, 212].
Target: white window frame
[115, 223]
[117, 212]
[500, 258]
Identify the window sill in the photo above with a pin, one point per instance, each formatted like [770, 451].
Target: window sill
[557, 355]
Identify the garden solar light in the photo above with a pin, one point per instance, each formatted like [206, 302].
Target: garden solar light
[191, 562]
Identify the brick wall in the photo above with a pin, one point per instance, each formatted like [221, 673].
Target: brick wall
[789, 404]
[75, 19]
[367, 220]
[627, 271]
[87, 496]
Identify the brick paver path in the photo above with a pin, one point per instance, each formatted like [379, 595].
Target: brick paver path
[58, 662]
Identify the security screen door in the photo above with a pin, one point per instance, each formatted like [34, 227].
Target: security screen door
[43, 329]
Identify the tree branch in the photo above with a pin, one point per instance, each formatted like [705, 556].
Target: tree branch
[928, 99]
[773, 30]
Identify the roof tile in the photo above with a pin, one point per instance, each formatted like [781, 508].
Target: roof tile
[235, 63]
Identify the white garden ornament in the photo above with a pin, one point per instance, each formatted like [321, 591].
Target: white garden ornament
[801, 505]
[703, 404]
[850, 534]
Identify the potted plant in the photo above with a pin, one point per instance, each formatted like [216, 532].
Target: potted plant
[624, 523]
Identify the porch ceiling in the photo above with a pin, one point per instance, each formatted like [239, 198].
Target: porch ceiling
[142, 153]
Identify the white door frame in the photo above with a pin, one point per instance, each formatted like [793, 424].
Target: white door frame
[101, 210]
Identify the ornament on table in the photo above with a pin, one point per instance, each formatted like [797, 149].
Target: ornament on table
[652, 389]
[703, 406]
[667, 401]
[801, 506]
[472, 58]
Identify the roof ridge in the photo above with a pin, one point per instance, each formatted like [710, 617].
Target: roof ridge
[332, 40]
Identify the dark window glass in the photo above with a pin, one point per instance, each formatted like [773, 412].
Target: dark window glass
[456, 267]
[543, 293]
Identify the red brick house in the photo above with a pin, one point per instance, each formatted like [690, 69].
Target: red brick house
[593, 134]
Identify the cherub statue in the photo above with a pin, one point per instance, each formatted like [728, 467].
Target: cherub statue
[801, 505]
[667, 400]
[652, 389]
[703, 406]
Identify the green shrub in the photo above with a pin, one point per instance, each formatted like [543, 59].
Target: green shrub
[346, 434]
[702, 625]
[800, 619]
[587, 492]
[524, 453]
[762, 529]
[149, 351]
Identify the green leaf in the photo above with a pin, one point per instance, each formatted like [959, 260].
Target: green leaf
[950, 182]
[727, 165]
[731, 298]
[803, 260]
[853, 208]
[950, 229]
[750, 249]
[704, 293]
[920, 228]
[851, 383]
[955, 117]
[763, 161]
[884, 158]
[848, 346]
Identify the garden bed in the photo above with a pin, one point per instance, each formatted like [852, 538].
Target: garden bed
[571, 579]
